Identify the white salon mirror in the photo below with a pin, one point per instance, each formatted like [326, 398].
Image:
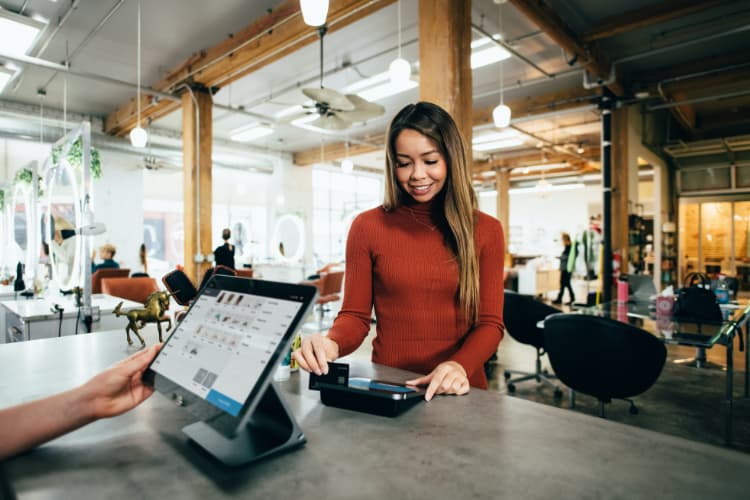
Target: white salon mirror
[289, 238]
[20, 224]
[61, 215]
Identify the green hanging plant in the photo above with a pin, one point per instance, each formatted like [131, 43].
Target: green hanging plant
[2, 199]
[75, 158]
[26, 175]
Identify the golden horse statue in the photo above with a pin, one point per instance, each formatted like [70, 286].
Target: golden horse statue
[152, 312]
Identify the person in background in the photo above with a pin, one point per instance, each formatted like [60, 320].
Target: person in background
[224, 254]
[107, 252]
[141, 267]
[428, 261]
[110, 393]
[566, 270]
[63, 246]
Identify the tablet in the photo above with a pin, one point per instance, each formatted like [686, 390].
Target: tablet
[219, 359]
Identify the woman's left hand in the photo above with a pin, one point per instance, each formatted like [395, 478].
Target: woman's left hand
[448, 377]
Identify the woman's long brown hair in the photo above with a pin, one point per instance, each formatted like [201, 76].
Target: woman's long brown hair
[458, 197]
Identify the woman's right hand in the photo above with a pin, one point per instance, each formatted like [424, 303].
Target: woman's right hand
[315, 353]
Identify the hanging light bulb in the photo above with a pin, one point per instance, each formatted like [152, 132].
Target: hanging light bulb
[501, 116]
[347, 165]
[400, 69]
[314, 12]
[501, 113]
[139, 136]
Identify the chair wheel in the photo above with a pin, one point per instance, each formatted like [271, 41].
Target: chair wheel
[633, 410]
[507, 375]
[511, 388]
[558, 394]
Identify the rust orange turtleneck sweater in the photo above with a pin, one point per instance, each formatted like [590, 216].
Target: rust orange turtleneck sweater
[399, 263]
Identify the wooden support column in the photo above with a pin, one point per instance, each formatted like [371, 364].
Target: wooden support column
[444, 59]
[620, 184]
[502, 185]
[196, 182]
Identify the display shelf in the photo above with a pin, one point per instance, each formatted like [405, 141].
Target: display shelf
[668, 255]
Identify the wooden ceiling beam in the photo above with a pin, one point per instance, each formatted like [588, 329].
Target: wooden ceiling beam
[527, 107]
[647, 16]
[520, 159]
[587, 55]
[264, 41]
[555, 101]
[338, 150]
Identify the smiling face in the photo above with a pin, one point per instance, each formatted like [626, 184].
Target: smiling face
[421, 170]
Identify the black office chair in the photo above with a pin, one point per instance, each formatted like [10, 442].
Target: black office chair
[521, 313]
[602, 357]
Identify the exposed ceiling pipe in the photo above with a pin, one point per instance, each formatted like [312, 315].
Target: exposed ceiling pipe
[719, 97]
[687, 43]
[86, 39]
[306, 35]
[330, 72]
[43, 63]
[513, 51]
[529, 83]
[73, 5]
[109, 143]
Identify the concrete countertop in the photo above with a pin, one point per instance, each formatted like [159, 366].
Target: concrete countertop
[40, 309]
[483, 445]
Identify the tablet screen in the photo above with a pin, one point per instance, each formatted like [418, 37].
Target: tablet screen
[221, 348]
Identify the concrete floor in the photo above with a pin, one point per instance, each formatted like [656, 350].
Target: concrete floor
[684, 401]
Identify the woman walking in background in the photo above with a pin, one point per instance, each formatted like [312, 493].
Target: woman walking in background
[566, 267]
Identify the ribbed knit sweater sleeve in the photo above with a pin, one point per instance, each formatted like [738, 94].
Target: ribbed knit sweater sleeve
[353, 321]
[398, 263]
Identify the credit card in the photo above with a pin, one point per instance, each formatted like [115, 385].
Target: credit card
[338, 374]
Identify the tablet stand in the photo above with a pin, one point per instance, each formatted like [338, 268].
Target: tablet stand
[271, 429]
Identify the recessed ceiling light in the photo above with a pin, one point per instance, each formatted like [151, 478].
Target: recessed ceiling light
[5, 76]
[18, 33]
[250, 132]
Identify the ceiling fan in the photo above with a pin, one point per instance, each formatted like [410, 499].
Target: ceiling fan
[337, 111]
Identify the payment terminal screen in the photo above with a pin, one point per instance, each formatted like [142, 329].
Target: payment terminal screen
[221, 347]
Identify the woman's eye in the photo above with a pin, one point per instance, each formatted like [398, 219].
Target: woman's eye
[403, 164]
[431, 162]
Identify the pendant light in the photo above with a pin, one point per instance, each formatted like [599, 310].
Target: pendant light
[501, 113]
[347, 165]
[139, 136]
[400, 69]
[314, 12]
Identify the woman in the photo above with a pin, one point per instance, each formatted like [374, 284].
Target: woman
[224, 254]
[418, 259]
[565, 274]
[141, 267]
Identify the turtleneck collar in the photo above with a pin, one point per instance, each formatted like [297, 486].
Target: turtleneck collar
[426, 212]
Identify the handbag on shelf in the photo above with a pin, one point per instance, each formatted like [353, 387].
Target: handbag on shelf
[696, 302]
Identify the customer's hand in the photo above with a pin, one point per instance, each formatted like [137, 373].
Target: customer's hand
[315, 353]
[448, 377]
[119, 388]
